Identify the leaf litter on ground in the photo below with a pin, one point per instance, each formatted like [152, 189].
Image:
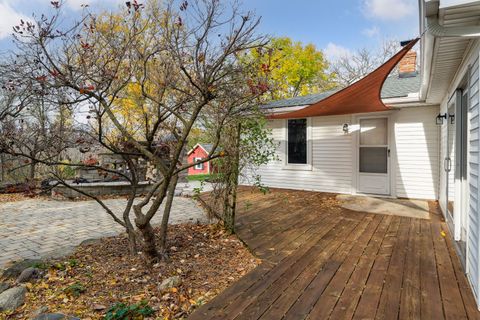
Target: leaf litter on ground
[102, 275]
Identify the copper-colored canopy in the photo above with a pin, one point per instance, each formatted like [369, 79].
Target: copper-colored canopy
[362, 96]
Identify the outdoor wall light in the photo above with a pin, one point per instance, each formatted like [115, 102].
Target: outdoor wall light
[345, 128]
[452, 118]
[440, 117]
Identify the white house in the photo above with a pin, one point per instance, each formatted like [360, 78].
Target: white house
[424, 145]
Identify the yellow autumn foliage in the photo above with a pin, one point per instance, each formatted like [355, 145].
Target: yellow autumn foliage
[293, 69]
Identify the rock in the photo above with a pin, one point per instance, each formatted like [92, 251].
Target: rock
[12, 298]
[171, 282]
[54, 316]
[28, 274]
[89, 241]
[38, 312]
[17, 267]
[4, 286]
[60, 252]
[99, 307]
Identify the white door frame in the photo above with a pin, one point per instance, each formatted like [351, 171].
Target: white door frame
[356, 154]
[460, 205]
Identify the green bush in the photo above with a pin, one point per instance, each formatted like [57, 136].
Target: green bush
[203, 177]
[122, 311]
[198, 177]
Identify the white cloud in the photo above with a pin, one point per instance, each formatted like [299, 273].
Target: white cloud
[334, 51]
[389, 9]
[371, 32]
[12, 11]
[10, 18]
[77, 4]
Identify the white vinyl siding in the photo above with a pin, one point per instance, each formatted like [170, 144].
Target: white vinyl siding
[473, 174]
[331, 158]
[333, 155]
[416, 143]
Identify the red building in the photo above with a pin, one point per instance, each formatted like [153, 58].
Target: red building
[199, 152]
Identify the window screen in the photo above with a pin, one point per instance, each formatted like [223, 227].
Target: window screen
[297, 141]
[373, 160]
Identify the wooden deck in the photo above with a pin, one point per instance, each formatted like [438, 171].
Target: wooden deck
[321, 261]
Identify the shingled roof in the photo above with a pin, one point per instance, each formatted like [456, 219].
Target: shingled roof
[393, 87]
[397, 87]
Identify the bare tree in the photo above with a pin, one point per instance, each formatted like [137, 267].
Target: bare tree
[148, 75]
[15, 94]
[350, 68]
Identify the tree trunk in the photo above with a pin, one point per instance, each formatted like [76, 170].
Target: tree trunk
[149, 245]
[230, 203]
[132, 241]
[228, 215]
[133, 237]
[31, 175]
[2, 168]
[166, 217]
[145, 228]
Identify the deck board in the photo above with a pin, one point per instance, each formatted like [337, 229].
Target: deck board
[368, 304]
[430, 296]
[300, 298]
[321, 261]
[347, 303]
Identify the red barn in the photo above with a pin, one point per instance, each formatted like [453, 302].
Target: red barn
[199, 152]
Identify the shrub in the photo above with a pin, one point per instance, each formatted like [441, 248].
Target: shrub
[122, 311]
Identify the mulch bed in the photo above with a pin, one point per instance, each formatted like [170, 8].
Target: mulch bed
[13, 197]
[21, 196]
[103, 272]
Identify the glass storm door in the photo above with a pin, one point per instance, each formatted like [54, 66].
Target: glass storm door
[373, 156]
[449, 164]
[455, 165]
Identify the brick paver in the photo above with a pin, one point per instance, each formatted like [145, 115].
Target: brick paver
[42, 228]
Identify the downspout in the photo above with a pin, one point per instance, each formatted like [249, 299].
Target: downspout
[427, 46]
[427, 60]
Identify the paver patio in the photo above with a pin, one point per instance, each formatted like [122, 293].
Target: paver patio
[41, 228]
[322, 261]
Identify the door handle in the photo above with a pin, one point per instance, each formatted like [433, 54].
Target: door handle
[447, 164]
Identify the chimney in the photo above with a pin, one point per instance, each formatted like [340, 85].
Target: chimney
[407, 67]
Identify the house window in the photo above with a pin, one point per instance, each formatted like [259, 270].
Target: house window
[297, 141]
[198, 166]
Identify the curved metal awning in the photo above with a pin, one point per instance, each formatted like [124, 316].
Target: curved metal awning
[362, 96]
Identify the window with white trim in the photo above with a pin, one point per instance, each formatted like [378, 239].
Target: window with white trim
[198, 166]
[297, 141]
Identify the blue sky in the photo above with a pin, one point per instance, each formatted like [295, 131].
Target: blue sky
[335, 26]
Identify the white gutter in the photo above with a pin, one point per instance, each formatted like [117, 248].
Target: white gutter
[456, 3]
[411, 98]
[284, 109]
[436, 30]
[431, 28]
